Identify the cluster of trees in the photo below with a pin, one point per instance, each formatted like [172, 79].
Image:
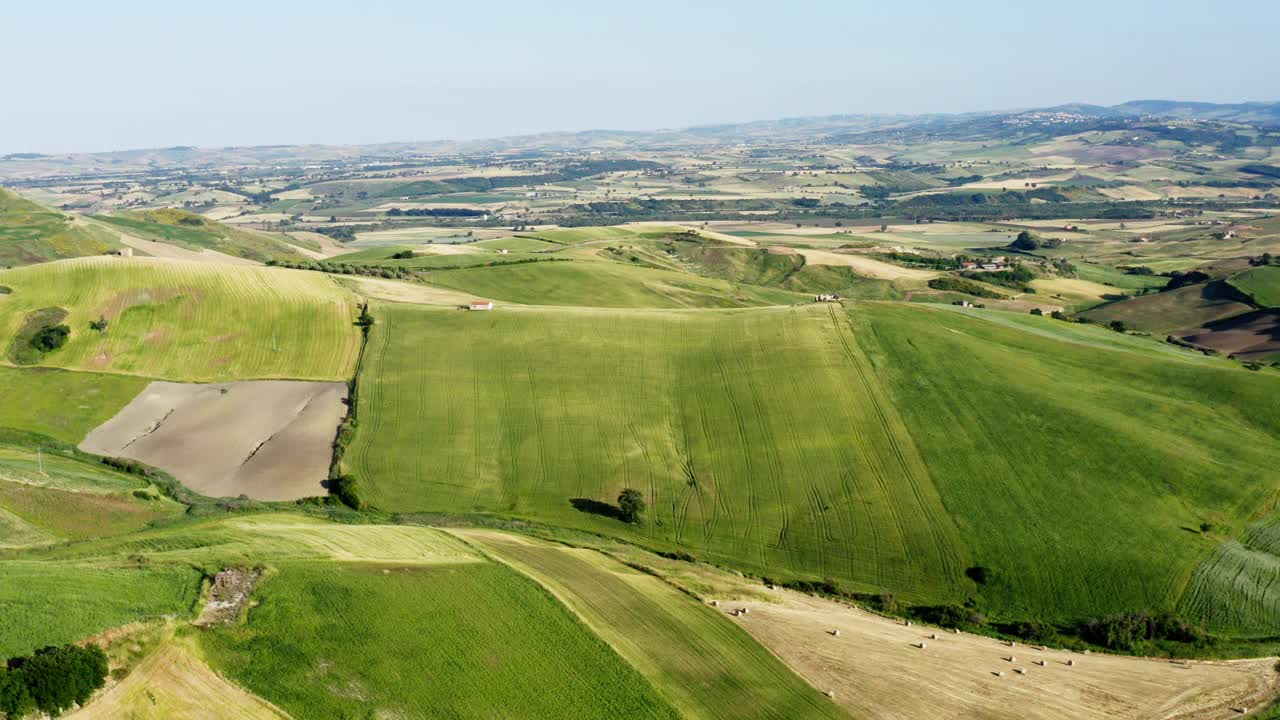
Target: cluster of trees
[1015, 277]
[51, 681]
[1026, 242]
[436, 212]
[50, 338]
[631, 505]
[954, 284]
[1182, 279]
[341, 233]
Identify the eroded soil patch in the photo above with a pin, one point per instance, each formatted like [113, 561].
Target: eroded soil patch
[227, 597]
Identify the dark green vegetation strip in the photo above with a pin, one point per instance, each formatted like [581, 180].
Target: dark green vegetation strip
[460, 641]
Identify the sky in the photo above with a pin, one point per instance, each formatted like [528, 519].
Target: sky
[96, 76]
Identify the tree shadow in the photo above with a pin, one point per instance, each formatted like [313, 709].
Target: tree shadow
[595, 507]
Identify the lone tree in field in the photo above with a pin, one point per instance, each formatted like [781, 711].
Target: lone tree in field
[631, 503]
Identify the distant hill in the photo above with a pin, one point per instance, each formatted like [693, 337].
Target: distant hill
[32, 233]
[1252, 113]
[196, 232]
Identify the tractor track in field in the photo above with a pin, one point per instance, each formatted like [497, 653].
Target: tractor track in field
[743, 445]
[947, 560]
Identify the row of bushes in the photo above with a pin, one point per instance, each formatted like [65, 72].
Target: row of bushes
[1122, 632]
[51, 681]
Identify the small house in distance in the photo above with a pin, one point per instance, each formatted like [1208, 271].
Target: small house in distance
[480, 305]
[825, 297]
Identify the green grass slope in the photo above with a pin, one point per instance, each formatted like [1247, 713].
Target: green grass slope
[196, 232]
[1166, 313]
[473, 640]
[602, 283]
[887, 446]
[1080, 472]
[31, 233]
[695, 656]
[58, 406]
[1261, 284]
[187, 321]
[758, 436]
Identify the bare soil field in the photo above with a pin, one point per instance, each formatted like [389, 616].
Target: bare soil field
[173, 683]
[268, 439]
[880, 668]
[1251, 336]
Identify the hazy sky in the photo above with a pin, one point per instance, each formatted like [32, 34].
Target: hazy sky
[87, 76]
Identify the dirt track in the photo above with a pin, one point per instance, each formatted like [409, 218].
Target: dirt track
[869, 267]
[877, 671]
[269, 440]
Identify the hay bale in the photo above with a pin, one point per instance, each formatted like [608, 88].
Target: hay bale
[933, 636]
[1041, 663]
[908, 623]
[830, 693]
[746, 610]
[835, 633]
[1071, 662]
[920, 644]
[1011, 659]
[1020, 671]
[715, 603]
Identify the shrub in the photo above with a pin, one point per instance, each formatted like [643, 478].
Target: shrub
[1118, 326]
[50, 337]
[343, 487]
[100, 324]
[631, 504]
[403, 255]
[978, 574]
[1037, 311]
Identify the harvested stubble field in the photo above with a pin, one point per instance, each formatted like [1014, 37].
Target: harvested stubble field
[266, 439]
[173, 682]
[819, 441]
[189, 321]
[878, 670]
[703, 665]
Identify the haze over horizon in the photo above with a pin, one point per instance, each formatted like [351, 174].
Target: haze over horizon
[301, 73]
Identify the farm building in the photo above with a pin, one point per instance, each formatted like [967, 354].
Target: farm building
[481, 305]
[827, 297]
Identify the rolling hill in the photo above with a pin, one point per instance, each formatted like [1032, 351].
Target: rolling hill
[196, 232]
[31, 233]
[181, 320]
[825, 442]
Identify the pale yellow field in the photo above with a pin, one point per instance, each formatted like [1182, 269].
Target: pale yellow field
[1072, 288]
[877, 671]
[863, 265]
[174, 683]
